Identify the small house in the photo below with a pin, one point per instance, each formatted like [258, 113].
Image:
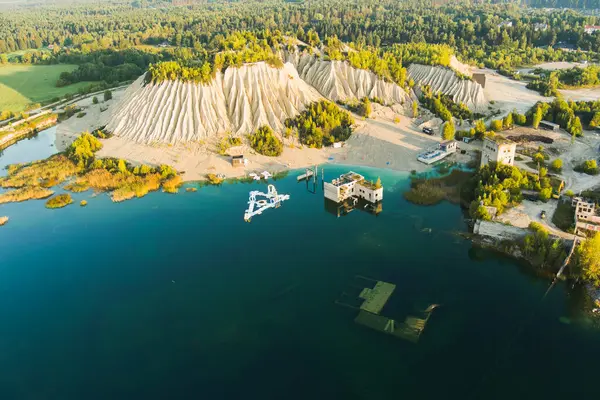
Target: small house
[238, 161]
[589, 29]
[354, 185]
[449, 146]
[498, 150]
[551, 126]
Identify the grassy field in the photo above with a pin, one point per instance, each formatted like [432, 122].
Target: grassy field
[24, 84]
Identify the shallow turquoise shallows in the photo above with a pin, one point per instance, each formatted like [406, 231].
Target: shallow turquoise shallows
[176, 297]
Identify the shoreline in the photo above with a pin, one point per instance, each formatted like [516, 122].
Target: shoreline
[378, 142]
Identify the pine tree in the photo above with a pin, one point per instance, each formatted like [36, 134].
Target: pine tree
[448, 130]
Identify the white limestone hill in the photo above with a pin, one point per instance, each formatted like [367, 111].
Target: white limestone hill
[240, 100]
[444, 80]
[337, 80]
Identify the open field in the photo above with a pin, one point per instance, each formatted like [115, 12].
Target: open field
[24, 84]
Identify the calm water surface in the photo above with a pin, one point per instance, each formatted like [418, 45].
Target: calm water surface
[175, 297]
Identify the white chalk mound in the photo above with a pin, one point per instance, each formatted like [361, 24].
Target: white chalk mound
[337, 80]
[445, 81]
[239, 101]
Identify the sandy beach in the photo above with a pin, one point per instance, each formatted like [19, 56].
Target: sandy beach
[389, 139]
[377, 142]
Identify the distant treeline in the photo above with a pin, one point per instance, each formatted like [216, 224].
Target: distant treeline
[491, 34]
[109, 66]
[585, 4]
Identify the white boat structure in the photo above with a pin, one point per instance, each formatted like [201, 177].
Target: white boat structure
[443, 150]
[272, 200]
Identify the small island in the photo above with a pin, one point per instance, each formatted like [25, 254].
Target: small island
[59, 201]
[3, 220]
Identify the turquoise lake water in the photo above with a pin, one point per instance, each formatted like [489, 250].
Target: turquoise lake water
[176, 297]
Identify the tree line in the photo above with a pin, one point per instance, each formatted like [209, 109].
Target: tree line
[490, 34]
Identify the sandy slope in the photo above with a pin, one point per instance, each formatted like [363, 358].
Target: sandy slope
[444, 80]
[552, 66]
[337, 80]
[240, 100]
[379, 143]
[464, 69]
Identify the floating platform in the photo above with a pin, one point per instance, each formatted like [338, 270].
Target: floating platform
[272, 199]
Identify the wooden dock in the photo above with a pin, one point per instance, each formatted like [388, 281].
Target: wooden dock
[307, 175]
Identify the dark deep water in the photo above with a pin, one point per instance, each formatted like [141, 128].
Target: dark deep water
[175, 297]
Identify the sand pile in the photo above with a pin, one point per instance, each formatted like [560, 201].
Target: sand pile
[237, 101]
[456, 65]
[337, 80]
[444, 80]
[240, 100]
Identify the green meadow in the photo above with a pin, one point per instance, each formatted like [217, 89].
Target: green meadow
[21, 85]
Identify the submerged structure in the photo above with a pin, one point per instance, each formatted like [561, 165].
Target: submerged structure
[352, 185]
[272, 200]
[373, 300]
[346, 207]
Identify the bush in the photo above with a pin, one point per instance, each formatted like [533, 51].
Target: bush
[556, 165]
[545, 194]
[107, 95]
[448, 130]
[95, 100]
[496, 125]
[265, 142]
[227, 142]
[508, 122]
[62, 200]
[366, 108]
[538, 158]
[520, 119]
[589, 167]
[321, 124]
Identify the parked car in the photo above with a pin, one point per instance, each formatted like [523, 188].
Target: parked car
[428, 131]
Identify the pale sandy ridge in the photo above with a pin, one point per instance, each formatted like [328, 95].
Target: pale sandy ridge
[380, 143]
[237, 101]
[240, 100]
[444, 80]
[337, 80]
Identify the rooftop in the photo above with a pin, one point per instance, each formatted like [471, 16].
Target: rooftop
[369, 184]
[346, 178]
[500, 140]
[376, 297]
[549, 123]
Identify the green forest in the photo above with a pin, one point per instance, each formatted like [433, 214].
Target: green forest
[476, 32]
[117, 41]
